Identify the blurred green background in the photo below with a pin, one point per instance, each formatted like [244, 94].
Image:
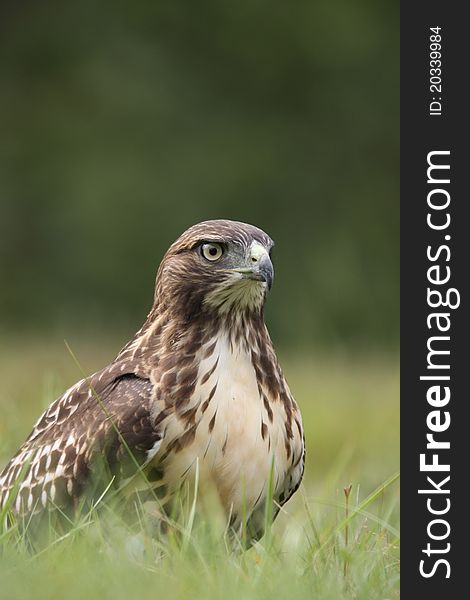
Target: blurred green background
[121, 124]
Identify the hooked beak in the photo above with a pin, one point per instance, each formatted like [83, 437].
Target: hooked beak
[262, 270]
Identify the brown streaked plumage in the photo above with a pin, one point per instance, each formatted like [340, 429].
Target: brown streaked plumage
[198, 387]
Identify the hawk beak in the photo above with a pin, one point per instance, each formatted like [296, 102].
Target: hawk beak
[262, 269]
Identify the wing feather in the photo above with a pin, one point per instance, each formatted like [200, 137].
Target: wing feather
[102, 425]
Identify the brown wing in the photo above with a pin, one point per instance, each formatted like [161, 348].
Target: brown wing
[84, 439]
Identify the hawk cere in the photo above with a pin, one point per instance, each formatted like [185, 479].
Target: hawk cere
[198, 388]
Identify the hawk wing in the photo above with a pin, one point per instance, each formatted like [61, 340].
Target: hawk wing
[103, 421]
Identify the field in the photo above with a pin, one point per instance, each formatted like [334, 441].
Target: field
[323, 545]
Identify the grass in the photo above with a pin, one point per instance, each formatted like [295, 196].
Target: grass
[330, 541]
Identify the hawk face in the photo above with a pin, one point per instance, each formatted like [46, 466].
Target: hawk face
[216, 266]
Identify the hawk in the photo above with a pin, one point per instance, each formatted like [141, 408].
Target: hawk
[198, 388]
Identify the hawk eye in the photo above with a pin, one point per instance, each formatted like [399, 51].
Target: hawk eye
[212, 252]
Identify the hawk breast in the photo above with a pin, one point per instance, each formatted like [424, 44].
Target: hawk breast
[236, 436]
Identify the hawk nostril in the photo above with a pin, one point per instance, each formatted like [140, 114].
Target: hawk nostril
[254, 259]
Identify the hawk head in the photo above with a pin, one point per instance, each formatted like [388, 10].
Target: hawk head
[217, 267]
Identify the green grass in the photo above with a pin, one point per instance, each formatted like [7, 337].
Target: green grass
[350, 412]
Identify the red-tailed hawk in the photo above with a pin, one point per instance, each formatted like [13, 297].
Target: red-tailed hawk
[199, 384]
